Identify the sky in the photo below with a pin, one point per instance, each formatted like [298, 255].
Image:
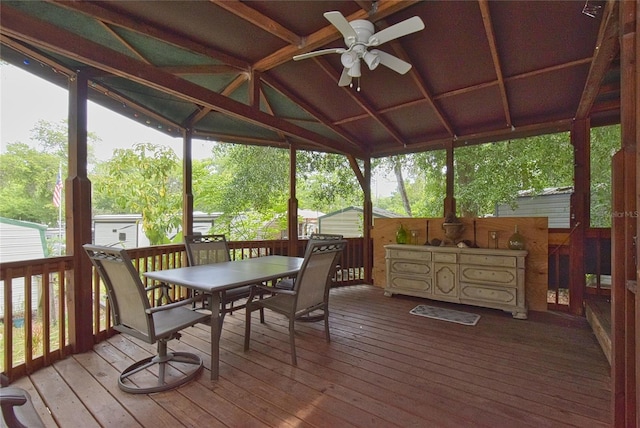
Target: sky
[25, 99]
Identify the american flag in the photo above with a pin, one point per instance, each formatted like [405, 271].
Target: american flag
[57, 191]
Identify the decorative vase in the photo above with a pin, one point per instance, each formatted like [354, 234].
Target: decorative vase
[401, 235]
[452, 234]
[516, 241]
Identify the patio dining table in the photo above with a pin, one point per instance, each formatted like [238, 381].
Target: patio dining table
[214, 278]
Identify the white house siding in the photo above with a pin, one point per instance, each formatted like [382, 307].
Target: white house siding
[554, 206]
[348, 221]
[19, 241]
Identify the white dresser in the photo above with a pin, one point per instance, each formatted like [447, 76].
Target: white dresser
[473, 276]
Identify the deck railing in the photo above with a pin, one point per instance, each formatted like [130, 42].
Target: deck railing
[34, 316]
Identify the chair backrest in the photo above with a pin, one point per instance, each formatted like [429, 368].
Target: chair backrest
[314, 278]
[127, 296]
[206, 249]
[315, 237]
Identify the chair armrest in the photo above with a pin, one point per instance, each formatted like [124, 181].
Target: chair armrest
[17, 408]
[276, 290]
[177, 304]
[12, 397]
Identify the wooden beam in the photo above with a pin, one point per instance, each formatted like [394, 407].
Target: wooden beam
[328, 34]
[493, 47]
[296, 98]
[101, 12]
[199, 69]
[259, 20]
[359, 99]
[47, 36]
[605, 51]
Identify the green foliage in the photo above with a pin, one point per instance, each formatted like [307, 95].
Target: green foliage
[490, 174]
[248, 184]
[605, 142]
[28, 178]
[326, 182]
[144, 179]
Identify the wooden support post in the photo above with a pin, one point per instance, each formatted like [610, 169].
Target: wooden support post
[580, 216]
[78, 219]
[625, 305]
[367, 250]
[292, 220]
[449, 199]
[187, 182]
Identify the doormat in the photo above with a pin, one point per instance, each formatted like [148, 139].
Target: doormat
[445, 314]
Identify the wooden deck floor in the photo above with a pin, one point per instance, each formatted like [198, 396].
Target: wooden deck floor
[383, 368]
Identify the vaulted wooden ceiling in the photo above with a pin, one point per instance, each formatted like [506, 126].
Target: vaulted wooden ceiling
[482, 70]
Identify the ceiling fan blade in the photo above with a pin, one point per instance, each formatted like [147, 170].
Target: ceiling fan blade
[345, 79]
[394, 63]
[340, 22]
[400, 29]
[320, 52]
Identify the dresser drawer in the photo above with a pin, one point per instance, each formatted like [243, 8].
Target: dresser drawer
[488, 294]
[503, 276]
[410, 283]
[409, 255]
[488, 260]
[445, 257]
[408, 267]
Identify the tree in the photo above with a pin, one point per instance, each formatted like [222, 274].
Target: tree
[28, 178]
[29, 173]
[144, 180]
[248, 184]
[605, 142]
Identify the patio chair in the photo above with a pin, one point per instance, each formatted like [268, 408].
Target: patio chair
[310, 292]
[133, 315]
[17, 407]
[287, 283]
[207, 249]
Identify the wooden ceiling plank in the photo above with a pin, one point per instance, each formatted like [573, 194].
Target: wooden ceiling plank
[259, 20]
[196, 117]
[38, 56]
[605, 51]
[328, 34]
[199, 69]
[278, 86]
[422, 87]
[47, 36]
[549, 69]
[126, 44]
[478, 138]
[493, 46]
[99, 12]
[371, 112]
[94, 85]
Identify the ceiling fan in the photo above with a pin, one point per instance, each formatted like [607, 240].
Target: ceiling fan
[358, 37]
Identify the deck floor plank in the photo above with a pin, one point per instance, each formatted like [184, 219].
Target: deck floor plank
[383, 368]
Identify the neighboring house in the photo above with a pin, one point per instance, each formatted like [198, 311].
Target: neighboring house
[307, 224]
[348, 221]
[553, 203]
[125, 230]
[21, 240]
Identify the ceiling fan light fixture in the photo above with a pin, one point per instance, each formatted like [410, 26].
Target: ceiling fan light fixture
[372, 59]
[354, 71]
[348, 59]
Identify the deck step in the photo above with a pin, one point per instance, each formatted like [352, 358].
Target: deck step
[598, 312]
